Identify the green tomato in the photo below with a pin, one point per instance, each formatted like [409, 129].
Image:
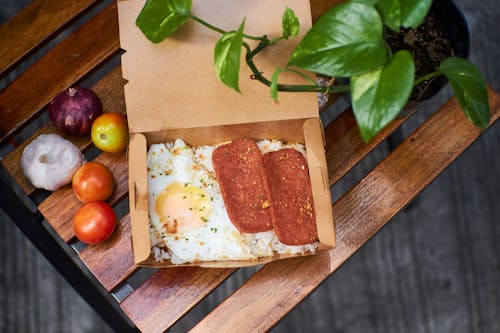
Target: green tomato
[110, 132]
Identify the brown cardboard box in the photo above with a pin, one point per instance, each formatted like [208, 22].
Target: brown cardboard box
[173, 92]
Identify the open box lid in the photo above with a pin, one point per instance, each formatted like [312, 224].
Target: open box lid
[173, 84]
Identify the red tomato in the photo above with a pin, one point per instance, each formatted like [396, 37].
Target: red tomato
[93, 182]
[94, 222]
[110, 132]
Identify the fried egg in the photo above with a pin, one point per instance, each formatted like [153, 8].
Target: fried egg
[187, 213]
[186, 208]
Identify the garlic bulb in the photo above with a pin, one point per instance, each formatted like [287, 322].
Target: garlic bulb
[50, 161]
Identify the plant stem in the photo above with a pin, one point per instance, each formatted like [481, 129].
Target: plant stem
[277, 39]
[257, 75]
[206, 24]
[221, 31]
[426, 77]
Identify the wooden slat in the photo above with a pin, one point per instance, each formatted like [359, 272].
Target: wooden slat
[110, 91]
[33, 25]
[279, 286]
[319, 7]
[169, 294]
[61, 67]
[345, 146]
[60, 207]
[112, 261]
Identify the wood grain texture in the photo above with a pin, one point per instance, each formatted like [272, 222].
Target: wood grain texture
[35, 24]
[61, 67]
[345, 146]
[60, 207]
[110, 91]
[169, 294]
[112, 261]
[359, 214]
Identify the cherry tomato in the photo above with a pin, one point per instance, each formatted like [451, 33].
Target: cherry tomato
[93, 182]
[110, 132]
[94, 222]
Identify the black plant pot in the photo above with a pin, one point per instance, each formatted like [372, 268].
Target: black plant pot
[452, 19]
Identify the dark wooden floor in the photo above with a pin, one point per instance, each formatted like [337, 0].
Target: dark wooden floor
[433, 268]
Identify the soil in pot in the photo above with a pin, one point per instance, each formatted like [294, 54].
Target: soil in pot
[431, 43]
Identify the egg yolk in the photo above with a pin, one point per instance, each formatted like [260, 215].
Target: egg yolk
[183, 207]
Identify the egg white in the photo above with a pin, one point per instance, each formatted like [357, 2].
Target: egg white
[217, 239]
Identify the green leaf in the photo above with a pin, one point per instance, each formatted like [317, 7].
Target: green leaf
[469, 87]
[227, 57]
[406, 13]
[274, 84]
[290, 23]
[159, 19]
[413, 12]
[378, 96]
[347, 40]
[391, 13]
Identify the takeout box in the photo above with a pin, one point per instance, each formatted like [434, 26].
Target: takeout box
[173, 92]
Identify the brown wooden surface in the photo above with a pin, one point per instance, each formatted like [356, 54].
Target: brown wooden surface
[169, 294]
[60, 207]
[61, 67]
[112, 261]
[345, 146]
[33, 25]
[319, 7]
[359, 214]
[110, 91]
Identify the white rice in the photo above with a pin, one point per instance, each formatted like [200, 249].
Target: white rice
[262, 244]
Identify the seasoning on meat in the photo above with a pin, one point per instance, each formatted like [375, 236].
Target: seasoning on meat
[292, 205]
[241, 176]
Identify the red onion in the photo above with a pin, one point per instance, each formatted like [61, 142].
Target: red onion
[74, 110]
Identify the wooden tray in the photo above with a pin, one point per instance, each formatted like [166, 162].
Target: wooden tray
[168, 294]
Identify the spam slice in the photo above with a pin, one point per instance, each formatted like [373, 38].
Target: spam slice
[241, 176]
[291, 196]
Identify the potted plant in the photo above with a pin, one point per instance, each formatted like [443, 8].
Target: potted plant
[348, 41]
